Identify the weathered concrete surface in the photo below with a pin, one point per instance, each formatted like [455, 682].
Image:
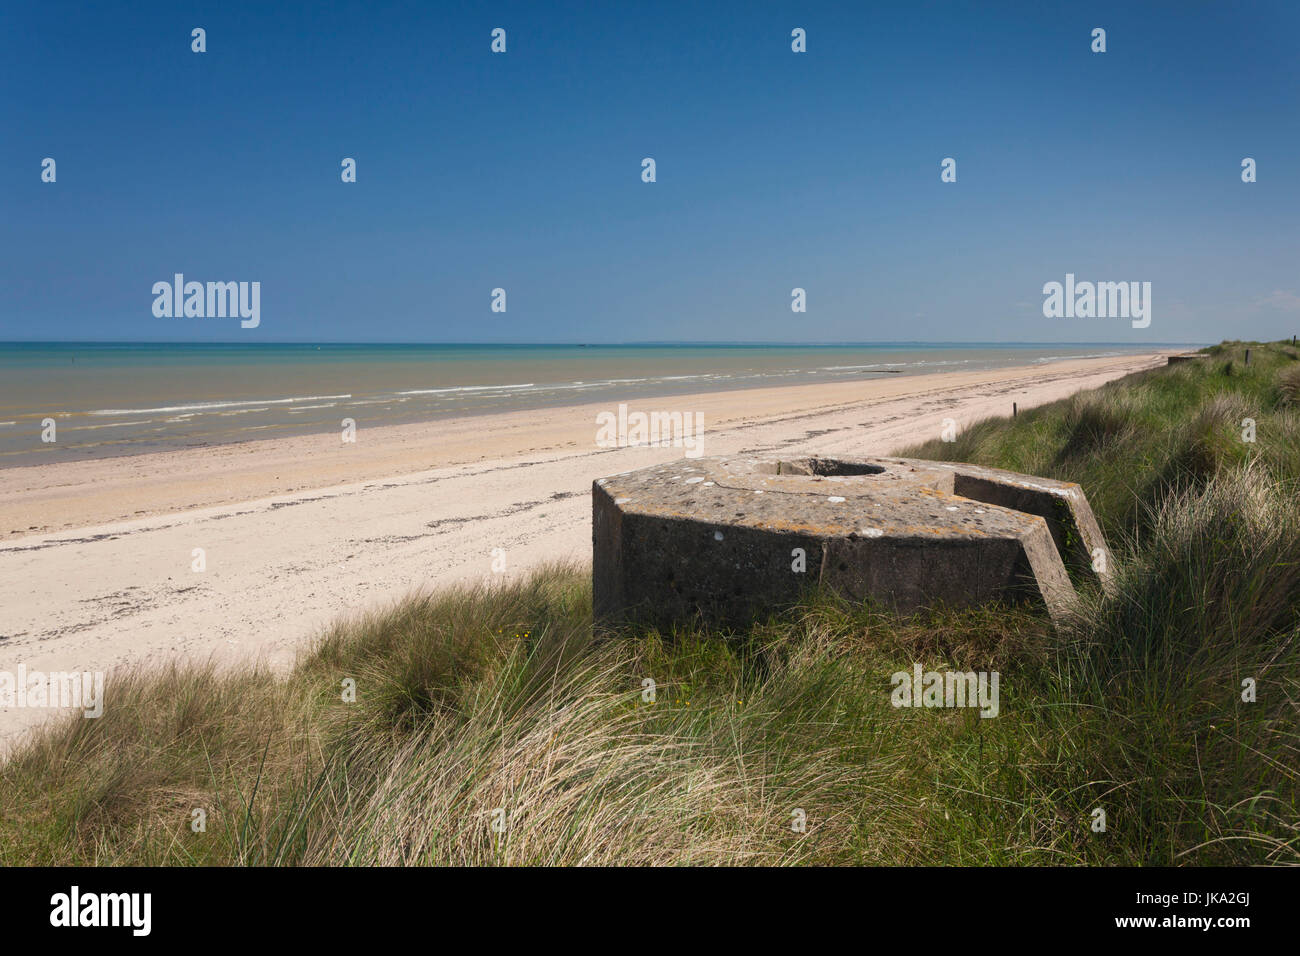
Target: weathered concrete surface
[720, 538]
[1061, 504]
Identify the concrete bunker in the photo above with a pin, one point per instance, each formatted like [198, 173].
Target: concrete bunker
[721, 538]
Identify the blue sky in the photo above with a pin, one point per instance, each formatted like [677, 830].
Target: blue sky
[775, 170]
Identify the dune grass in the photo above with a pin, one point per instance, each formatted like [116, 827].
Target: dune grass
[504, 706]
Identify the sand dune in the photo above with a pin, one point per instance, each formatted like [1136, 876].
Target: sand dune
[96, 557]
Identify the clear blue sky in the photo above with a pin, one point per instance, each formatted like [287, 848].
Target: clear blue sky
[775, 170]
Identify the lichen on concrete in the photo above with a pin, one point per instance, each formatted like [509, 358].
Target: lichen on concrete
[727, 539]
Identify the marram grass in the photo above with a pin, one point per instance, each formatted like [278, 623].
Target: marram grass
[495, 726]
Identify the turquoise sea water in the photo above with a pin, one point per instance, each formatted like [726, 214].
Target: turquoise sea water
[124, 398]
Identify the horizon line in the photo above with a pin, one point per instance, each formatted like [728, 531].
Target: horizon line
[579, 344]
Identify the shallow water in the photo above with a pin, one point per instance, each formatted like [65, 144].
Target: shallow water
[112, 399]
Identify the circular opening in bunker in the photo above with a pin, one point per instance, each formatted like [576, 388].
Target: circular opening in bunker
[818, 466]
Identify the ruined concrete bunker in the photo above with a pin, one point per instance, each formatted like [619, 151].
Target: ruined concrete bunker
[727, 539]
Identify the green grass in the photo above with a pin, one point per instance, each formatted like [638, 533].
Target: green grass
[474, 701]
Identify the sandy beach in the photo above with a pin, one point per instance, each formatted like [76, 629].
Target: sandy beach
[96, 556]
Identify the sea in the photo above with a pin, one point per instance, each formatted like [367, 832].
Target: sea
[127, 398]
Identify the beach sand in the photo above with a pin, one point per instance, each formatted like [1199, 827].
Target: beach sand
[96, 556]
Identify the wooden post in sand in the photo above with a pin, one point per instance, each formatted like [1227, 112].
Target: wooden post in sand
[1013, 409]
